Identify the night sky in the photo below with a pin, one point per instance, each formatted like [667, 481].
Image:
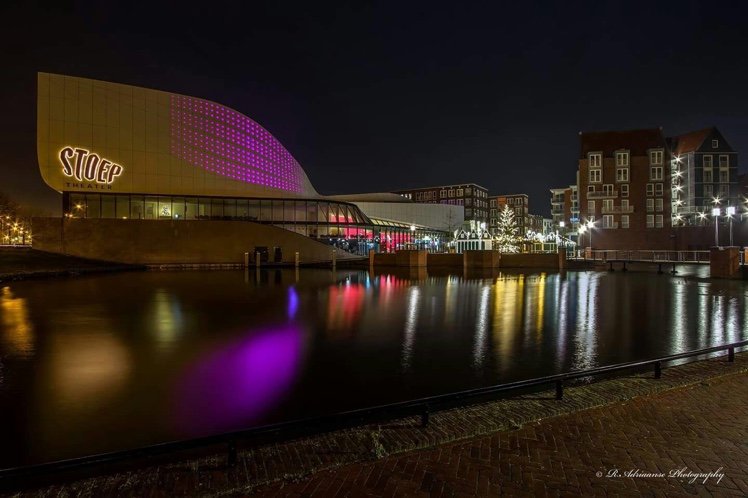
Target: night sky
[395, 95]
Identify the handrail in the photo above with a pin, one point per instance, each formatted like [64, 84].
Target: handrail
[296, 428]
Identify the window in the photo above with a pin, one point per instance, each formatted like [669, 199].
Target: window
[650, 189]
[708, 176]
[460, 192]
[655, 173]
[493, 213]
[622, 158]
[622, 174]
[607, 205]
[590, 188]
[468, 212]
[650, 221]
[724, 161]
[596, 175]
[596, 160]
[451, 192]
[625, 221]
[655, 157]
[658, 221]
[608, 189]
[591, 206]
[468, 201]
[658, 204]
[443, 193]
[708, 191]
[650, 205]
[724, 190]
[658, 189]
[468, 191]
[625, 205]
[608, 221]
[493, 202]
[624, 190]
[715, 144]
[707, 161]
[724, 176]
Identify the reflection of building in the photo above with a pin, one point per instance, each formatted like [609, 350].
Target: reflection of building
[519, 203]
[705, 174]
[120, 152]
[472, 196]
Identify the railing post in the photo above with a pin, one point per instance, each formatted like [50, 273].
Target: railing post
[658, 370]
[731, 354]
[425, 417]
[559, 389]
[232, 453]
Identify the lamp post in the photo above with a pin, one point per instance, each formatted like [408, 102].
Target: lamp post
[716, 212]
[581, 231]
[561, 224]
[730, 214]
[590, 226]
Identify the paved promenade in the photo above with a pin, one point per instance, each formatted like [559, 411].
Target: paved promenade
[697, 429]
[694, 418]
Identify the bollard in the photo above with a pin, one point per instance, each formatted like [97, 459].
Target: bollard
[658, 370]
[296, 259]
[425, 417]
[246, 260]
[731, 354]
[559, 389]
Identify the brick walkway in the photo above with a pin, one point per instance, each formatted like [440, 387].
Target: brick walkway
[701, 428]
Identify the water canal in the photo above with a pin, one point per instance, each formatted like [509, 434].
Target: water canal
[134, 359]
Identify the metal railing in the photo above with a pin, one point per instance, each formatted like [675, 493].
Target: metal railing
[643, 256]
[422, 407]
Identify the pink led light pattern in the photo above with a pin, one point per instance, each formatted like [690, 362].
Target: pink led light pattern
[225, 142]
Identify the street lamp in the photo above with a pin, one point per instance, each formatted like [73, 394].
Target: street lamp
[716, 212]
[590, 226]
[730, 214]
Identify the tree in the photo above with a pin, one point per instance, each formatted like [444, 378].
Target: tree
[507, 231]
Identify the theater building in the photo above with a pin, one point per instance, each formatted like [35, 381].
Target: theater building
[125, 157]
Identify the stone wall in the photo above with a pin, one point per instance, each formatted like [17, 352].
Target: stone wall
[549, 260]
[174, 242]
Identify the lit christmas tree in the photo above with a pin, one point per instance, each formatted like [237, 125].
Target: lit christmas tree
[506, 233]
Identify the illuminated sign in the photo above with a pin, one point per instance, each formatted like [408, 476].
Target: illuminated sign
[84, 165]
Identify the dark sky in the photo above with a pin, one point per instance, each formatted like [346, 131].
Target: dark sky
[376, 97]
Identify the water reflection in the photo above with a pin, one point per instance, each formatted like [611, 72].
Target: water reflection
[166, 314]
[233, 386]
[86, 356]
[16, 332]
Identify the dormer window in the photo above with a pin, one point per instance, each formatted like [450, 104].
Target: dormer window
[715, 144]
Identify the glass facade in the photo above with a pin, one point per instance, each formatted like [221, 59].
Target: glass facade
[337, 223]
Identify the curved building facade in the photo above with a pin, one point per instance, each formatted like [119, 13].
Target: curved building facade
[119, 151]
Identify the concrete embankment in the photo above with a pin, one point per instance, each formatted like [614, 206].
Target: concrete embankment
[22, 263]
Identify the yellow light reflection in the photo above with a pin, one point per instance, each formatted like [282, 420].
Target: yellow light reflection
[17, 331]
[87, 366]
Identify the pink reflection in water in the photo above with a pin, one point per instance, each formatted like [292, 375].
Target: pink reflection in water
[233, 387]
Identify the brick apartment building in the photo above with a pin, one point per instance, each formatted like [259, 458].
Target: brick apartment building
[625, 189]
[644, 191]
[519, 203]
[472, 196]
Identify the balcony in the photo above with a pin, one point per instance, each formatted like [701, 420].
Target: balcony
[610, 226]
[557, 210]
[618, 210]
[602, 194]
